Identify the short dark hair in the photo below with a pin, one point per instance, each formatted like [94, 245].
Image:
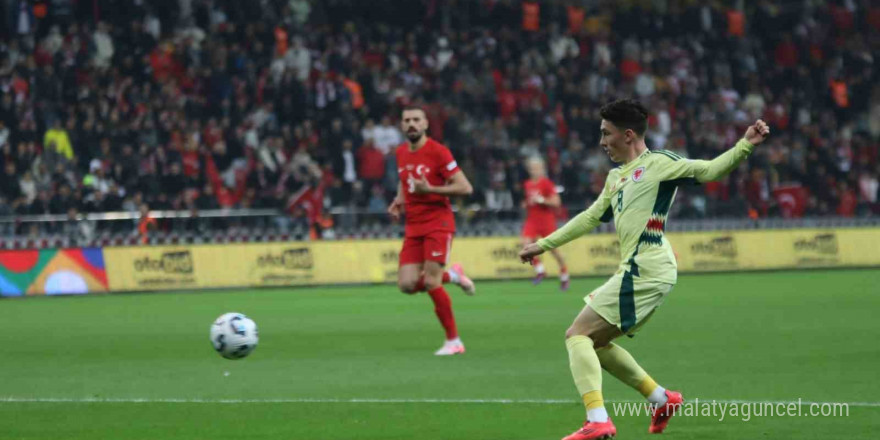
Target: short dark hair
[412, 107]
[626, 114]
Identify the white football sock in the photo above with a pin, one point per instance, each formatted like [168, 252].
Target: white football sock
[539, 268]
[658, 396]
[563, 276]
[456, 341]
[453, 277]
[598, 415]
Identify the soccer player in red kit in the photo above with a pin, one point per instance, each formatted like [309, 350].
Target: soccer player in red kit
[541, 202]
[428, 177]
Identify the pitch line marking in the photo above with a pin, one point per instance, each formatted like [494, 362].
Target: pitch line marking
[11, 399]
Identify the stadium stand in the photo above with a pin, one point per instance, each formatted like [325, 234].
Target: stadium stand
[216, 115]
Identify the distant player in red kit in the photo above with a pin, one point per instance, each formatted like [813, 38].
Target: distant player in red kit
[428, 177]
[541, 202]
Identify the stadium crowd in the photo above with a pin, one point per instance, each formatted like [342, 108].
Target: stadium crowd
[292, 104]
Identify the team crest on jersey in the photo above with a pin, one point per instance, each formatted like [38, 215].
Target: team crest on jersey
[638, 174]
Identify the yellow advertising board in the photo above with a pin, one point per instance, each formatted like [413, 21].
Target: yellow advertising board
[157, 267]
[257, 264]
[375, 261]
[779, 249]
[497, 257]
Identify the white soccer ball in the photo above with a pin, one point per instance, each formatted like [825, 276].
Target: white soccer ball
[234, 335]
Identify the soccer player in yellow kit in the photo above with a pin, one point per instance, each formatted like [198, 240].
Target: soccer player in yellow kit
[637, 196]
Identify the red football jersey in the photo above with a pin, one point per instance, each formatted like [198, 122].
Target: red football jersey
[426, 213]
[539, 213]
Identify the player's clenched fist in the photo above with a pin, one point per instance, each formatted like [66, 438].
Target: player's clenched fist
[421, 185]
[530, 251]
[757, 132]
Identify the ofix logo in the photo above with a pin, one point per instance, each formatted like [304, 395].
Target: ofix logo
[168, 262]
[825, 244]
[297, 258]
[724, 247]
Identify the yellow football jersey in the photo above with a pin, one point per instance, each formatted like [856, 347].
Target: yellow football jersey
[637, 196]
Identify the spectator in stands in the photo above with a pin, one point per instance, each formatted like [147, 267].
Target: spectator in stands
[265, 182]
[377, 203]
[62, 201]
[386, 137]
[847, 200]
[98, 182]
[28, 188]
[4, 133]
[345, 168]
[371, 164]
[10, 187]
[174, 181]
[298, 59]
[57, 139]
[206, 200]
[103, 46]
[268, 96]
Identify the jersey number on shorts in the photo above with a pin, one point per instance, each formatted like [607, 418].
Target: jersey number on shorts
[620, 201]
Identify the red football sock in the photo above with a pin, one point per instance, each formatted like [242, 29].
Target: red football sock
[445, 276]
[536, 261]
[443, 309]
[563, 269]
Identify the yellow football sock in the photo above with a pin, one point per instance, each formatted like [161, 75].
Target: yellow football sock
[585, 369]
[617, 361]
[593, 400]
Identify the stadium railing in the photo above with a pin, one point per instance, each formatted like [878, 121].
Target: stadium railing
[269, 225]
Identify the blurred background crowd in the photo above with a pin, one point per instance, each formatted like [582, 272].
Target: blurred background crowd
[112, 105]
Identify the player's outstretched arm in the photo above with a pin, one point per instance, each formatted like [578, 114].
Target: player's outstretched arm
[457, 185]
[581, 224]
[724, 164]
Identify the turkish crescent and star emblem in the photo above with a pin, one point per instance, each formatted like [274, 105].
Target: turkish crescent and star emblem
[638, 173]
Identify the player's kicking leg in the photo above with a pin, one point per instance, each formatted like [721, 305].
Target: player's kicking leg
[621, 365]
[587, 332]
[590, 350]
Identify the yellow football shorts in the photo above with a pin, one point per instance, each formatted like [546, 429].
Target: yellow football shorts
[627, 301]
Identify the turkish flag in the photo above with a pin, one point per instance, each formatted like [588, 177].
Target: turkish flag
[792, 200]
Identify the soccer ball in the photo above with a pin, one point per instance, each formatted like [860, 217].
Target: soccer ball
[234, 335]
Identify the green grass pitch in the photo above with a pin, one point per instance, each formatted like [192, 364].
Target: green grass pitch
[363, 356]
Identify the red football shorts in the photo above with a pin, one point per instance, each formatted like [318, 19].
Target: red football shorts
[435, 246]
[533, 229]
